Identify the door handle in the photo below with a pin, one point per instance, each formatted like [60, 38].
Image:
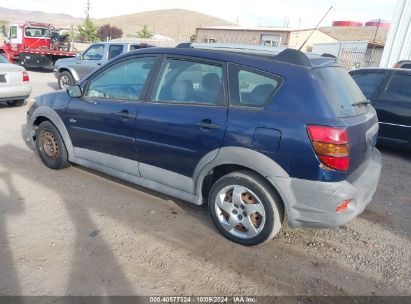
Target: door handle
[207, 124]
[98, 63]
[125, 114]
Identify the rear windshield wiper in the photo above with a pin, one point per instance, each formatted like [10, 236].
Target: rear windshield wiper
[360, 103]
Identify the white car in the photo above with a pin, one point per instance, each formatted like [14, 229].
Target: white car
[14, 83]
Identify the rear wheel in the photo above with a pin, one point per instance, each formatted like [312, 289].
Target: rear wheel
[15, 103]
[245, 209]
[50, 146]
[65, 80]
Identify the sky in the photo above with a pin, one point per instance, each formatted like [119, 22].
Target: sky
[295, 13]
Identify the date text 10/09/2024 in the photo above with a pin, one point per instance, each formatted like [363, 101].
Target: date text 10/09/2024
[201, 299]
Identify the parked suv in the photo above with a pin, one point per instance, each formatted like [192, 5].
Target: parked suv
[390, 93]
[258, 134]
[403, 64]
[69, 71]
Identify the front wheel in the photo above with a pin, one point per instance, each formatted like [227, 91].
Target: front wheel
[245, 209]
[50, 146]
[65, 80]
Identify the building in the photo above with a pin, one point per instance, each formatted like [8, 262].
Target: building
[398, 45]
[268, 36]
[357, 45]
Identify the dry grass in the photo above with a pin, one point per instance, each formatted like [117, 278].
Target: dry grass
[178, 24]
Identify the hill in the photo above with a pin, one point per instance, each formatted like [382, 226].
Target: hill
[21, 16]
[178, 24]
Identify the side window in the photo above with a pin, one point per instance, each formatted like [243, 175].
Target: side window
[124, 80]
[399, 89]
[406, 66]
[95, 52]
[251, 88]
[368, 82]
[114, 51]
[190, 82]
[13, 32]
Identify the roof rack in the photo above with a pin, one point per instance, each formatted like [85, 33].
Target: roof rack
[285, 55]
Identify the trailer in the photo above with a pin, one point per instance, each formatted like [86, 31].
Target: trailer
[35, 45]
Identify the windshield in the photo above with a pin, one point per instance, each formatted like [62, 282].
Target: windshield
[3, 59]
[344, 95]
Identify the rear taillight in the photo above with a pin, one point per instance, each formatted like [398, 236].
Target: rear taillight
[331, 146]
[26, 77]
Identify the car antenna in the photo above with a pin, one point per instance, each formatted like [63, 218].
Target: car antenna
[316, 28]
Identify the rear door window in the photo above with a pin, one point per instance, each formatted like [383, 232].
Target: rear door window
[341, 91]
[399, 89]
[186, 81]
[114, 51]
[368, 82]
[252, 88]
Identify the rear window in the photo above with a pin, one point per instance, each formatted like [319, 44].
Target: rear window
[341, 91]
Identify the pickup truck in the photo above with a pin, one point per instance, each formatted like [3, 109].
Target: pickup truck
[69, 71]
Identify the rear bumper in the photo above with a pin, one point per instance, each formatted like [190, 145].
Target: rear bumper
[314, 203]
[15, 92]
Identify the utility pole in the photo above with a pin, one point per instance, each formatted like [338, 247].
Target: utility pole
[87, 9]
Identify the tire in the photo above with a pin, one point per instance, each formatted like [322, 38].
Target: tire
[65, 46]
[15, 103]
[259, 205]
[65, 80]
[50, 146]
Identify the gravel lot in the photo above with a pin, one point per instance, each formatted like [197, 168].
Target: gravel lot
[76, 232]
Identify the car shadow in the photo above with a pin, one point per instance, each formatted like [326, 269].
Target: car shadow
[11, 203]
[54, 85]
[95, 268]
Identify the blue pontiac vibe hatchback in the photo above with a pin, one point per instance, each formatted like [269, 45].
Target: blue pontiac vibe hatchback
[259, 134]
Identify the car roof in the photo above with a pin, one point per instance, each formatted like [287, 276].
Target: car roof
[376, 69]
[285, 56]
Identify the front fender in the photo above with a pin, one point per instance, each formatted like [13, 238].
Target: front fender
[50, 114]
[73, 72]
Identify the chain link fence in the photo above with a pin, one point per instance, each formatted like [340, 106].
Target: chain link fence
[352, 54]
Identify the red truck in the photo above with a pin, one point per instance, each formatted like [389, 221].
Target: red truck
[35, 45]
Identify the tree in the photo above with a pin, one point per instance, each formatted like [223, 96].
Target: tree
[3, 24]
[145, 33]
[108, 32]
[87, 31]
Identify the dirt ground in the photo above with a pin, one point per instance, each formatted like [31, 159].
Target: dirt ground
[76, 232]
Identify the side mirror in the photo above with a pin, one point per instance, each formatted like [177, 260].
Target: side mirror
[79, 55]
[74, 91]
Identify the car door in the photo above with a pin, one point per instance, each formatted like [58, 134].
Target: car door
[393, 105]
[115, 50]
[183, 120]
[101, 123]
[91, 59]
